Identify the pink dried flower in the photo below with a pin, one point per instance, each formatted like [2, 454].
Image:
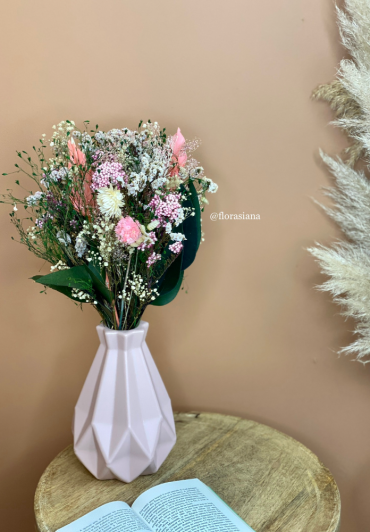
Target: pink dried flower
[127, 230]
[176, 247]
[108, 173]
[179, 155]
[75, 154]
[153, 257]
[78, 157]
[166, 210]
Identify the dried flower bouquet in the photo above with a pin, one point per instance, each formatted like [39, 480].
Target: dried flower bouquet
[117, 214]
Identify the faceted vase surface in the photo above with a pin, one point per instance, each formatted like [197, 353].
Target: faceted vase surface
[123, 424]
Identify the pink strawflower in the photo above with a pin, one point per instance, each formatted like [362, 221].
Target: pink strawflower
[176, 247]
[179, 155]
[153, 257]
[127, 230]
[108, 173]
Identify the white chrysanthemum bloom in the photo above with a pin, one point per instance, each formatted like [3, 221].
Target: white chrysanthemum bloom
[110, 202]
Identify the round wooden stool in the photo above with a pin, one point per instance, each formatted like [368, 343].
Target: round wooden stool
[273, 482]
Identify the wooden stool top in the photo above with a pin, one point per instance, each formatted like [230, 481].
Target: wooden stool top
[272, 481]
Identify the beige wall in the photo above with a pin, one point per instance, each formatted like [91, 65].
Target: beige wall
[251, 337]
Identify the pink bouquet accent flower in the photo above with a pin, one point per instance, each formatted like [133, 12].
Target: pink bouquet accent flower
[176, 247]
[166, 210]
[127, 230]
[108, 174]
[78, 157]
[153, 257]
[179, 155]
[75, 154]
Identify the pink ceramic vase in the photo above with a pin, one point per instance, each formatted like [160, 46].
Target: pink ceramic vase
[123, 425]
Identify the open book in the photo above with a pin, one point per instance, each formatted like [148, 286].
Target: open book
[182, 506]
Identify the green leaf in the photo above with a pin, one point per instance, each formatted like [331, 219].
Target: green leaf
[62, 289]
[191, 229]
[98, 282]
[169, 296]
[170, 283]
[76, 277]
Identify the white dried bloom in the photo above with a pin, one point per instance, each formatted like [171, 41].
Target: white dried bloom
[177, 237]
[80, 245]
[211, 186]
[63, 238]
[35, 198]
[138, 286]
[153, 225]
[110, 202]
[60, 265]
[82, 296]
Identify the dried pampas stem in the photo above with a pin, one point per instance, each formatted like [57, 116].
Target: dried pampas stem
[347, 263]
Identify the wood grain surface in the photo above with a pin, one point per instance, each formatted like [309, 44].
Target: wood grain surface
[272, 481]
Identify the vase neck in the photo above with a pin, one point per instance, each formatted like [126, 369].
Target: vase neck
[123, 340]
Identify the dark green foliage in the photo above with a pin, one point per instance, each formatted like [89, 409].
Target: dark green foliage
[76, 277]
[98, 282]
[191, 229]
[170, 283]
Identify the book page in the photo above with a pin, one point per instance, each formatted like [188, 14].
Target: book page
[187, 506]
[111, 517]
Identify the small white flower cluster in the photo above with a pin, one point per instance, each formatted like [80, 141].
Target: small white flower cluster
[80, 244]
[94, 256]
[136, 183]
[177, 237]
[33, 232]
[139, 287]
[104, 232]
[61, 134]
[181, 216]
[211, 186]
[86, 143]
[81, 295]
[57, 175]
[35, 198]
[60, 265]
